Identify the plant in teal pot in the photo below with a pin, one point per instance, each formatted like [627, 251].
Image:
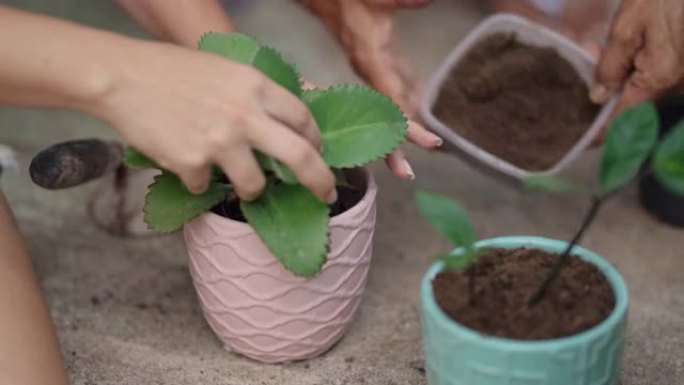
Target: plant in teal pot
[530, 311]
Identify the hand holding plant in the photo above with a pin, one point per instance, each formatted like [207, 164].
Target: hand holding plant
[357, 126]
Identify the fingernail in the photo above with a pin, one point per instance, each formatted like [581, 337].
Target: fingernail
[409, 170]
[332, 196]
[438, 141]
[599, 93]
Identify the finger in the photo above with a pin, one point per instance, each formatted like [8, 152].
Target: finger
[399, 166]
[614, 67]
[304, 160]
[419, 135]
[195, 179]
[399, 3]
[287, 109]
[243, 171]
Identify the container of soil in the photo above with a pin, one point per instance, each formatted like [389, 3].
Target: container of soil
[513, 99]
[574, 336]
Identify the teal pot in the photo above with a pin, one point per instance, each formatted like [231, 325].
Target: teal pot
[456, 355]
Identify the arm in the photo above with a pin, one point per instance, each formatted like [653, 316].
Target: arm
[163, 100]
[29, 352]
[180, 21]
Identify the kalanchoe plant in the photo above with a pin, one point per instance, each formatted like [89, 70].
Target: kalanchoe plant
[632, 149]
[358, 126]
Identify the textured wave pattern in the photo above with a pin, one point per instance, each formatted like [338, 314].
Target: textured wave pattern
[455, 361]
[258, 308]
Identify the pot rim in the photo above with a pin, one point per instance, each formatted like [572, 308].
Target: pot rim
[369, 195]
[612, 275]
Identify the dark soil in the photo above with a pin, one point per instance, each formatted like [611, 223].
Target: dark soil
[505, 280]
[524, 104]
[348, 197]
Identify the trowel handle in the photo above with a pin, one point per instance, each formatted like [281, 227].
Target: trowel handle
[76, 162]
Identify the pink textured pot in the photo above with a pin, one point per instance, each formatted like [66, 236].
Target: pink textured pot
[261, 310]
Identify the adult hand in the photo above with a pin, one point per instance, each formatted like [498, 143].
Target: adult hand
[189, 110]
[644, 54]
[365, 29]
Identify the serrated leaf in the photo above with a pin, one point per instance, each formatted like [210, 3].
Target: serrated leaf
[281, 171]
[246, 50]
[169, 205]
[448, 217]
[358, 125]
[134, 159]
[629, 143]
[554, 184]
[293, 223]
[309, 96]
[668, 162]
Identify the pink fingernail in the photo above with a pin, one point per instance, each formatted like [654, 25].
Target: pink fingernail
[409, 170]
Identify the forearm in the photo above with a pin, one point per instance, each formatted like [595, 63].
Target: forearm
[29, 352]
[51, 63]
[179, 21]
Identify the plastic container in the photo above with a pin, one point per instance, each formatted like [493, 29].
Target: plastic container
[456, 355]
[655, 198]
[529, 33]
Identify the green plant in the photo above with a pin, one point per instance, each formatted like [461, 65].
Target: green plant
[632, 149]
[358, 126]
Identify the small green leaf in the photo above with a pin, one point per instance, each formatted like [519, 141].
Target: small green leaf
[134, 159]
[281, 171]
[630, 141]
[244, 49]
[293, 223]
[448, 217]
[358, 125]
[668, 163]
[554, 184]
[169, 205]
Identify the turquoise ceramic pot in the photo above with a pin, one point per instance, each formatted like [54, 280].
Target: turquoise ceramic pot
[456, 355]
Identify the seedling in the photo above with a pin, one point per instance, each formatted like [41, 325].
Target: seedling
[632, 149]
[358, 126]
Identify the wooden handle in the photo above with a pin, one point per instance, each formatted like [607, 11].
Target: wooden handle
[76, 162]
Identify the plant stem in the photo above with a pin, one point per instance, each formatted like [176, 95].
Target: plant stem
[555, 271]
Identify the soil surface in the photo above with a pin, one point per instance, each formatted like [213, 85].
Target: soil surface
[524, 104]
[505, 280]
[348, 197]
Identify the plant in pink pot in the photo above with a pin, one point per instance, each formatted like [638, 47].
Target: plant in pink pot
[280, 278]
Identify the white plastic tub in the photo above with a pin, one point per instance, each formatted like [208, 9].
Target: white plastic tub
[529, 33]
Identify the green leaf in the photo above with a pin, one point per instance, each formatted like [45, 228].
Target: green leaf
[169, 205]
[134, 159]
[358, 125]
[293, 223]
[554, 184]
[463, 259]
[280, 170]
[244, 49]
[630, 141]
[668, 162]
[448, 217]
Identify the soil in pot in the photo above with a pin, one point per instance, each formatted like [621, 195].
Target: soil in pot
[348, 197]
[505, 280]
[524, 104]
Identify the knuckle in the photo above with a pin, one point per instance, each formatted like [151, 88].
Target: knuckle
[304, 157]
[623, 32]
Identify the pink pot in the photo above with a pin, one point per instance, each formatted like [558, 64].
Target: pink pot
[261, 310]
